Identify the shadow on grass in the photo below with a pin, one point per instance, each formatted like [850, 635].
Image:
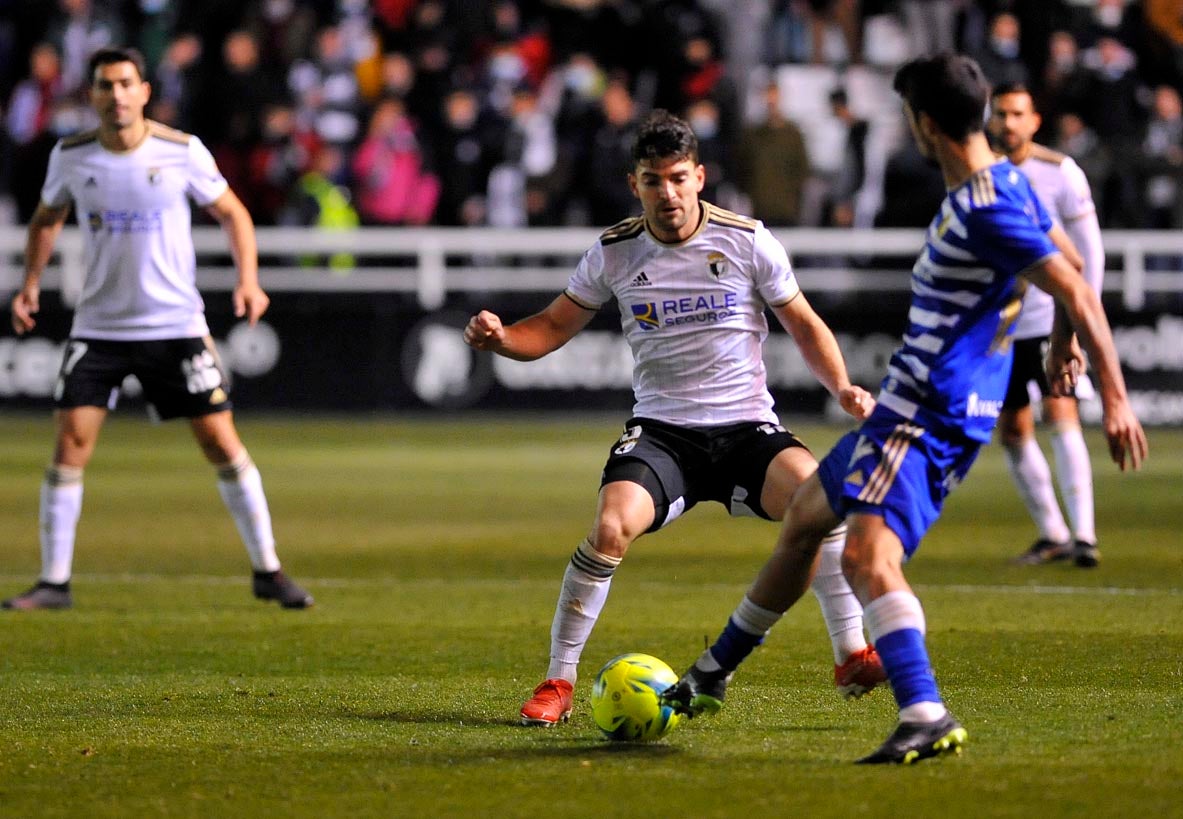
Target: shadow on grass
[426, 718]
[562, 742]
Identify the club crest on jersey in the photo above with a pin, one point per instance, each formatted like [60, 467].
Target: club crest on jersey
[154, 176]
[646, 315]
[717, 263]
[94, 220]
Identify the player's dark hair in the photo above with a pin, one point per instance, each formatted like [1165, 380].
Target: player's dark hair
[665, 136]
[950, 88]
[1012, 87]
[109, 56]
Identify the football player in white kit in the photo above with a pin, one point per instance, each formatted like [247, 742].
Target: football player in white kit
[130, 182]
[692, 282]
[1063, 189]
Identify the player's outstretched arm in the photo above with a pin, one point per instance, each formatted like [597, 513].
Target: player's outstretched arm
[1076, 302]
[44, 227]
[820, 350]
[532, 337]
[249, 299]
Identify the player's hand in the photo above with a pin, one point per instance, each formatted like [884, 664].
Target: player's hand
[25, 305]
[1127, 439]
[1064, 366]
[251, 302]
[484, 331]
[856, 401]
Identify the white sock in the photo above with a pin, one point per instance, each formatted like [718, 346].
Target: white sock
[923, 712]
[61, 506]
[895, 611]
[840, 608]
[241, 488]
[1074, 473]
[581, 599]
[1033, 479]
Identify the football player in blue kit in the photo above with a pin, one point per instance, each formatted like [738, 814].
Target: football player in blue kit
[937, 405]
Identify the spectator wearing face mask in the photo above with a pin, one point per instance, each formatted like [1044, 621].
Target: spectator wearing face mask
[1000, 58]
[714, 152]
[1112, 108]
[1063, 83]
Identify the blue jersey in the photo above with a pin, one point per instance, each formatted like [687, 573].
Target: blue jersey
[952, 369]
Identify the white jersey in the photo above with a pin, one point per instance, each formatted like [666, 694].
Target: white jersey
[693, 314]
[134, 213]
[1064, 192]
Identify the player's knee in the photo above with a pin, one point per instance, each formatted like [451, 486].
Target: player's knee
[1011, 438]
[859, 564]
[610, 538]
[853, 560]
[73, 449]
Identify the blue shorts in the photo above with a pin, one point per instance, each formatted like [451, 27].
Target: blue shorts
[896, 469]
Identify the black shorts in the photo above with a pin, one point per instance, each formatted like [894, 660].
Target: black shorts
[1027, 367]
[181, 377]
[680, 466]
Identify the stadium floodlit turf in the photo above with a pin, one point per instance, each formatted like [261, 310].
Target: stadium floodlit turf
[434, 550]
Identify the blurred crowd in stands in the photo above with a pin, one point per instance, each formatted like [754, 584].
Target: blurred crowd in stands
[521, 112]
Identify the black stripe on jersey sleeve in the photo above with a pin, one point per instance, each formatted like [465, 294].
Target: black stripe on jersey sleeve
[629, 228]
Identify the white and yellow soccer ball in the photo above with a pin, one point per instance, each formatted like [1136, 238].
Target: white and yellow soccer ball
[625, 699]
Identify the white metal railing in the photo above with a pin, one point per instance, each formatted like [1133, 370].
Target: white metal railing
[431, 262]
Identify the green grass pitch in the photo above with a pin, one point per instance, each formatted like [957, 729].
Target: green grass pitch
[434, 550]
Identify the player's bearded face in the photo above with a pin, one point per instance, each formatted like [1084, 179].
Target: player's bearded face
[1013, 121]
[118, 94]
[668, 190]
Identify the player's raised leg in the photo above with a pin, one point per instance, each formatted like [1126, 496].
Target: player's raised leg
[625, 510]
[782, 581]
[241, 488]
[60, 508]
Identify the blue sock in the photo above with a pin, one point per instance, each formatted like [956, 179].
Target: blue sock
[905, 659]
[733, 645]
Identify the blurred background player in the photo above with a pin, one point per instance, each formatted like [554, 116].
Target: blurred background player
[937, 406]
[692, 282]
[140, 314]
[1064, 191]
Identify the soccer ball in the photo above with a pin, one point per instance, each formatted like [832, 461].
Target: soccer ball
[624, 699]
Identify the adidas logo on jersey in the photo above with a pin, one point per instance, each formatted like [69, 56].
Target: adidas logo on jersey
[90, 182]
[641, 280]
